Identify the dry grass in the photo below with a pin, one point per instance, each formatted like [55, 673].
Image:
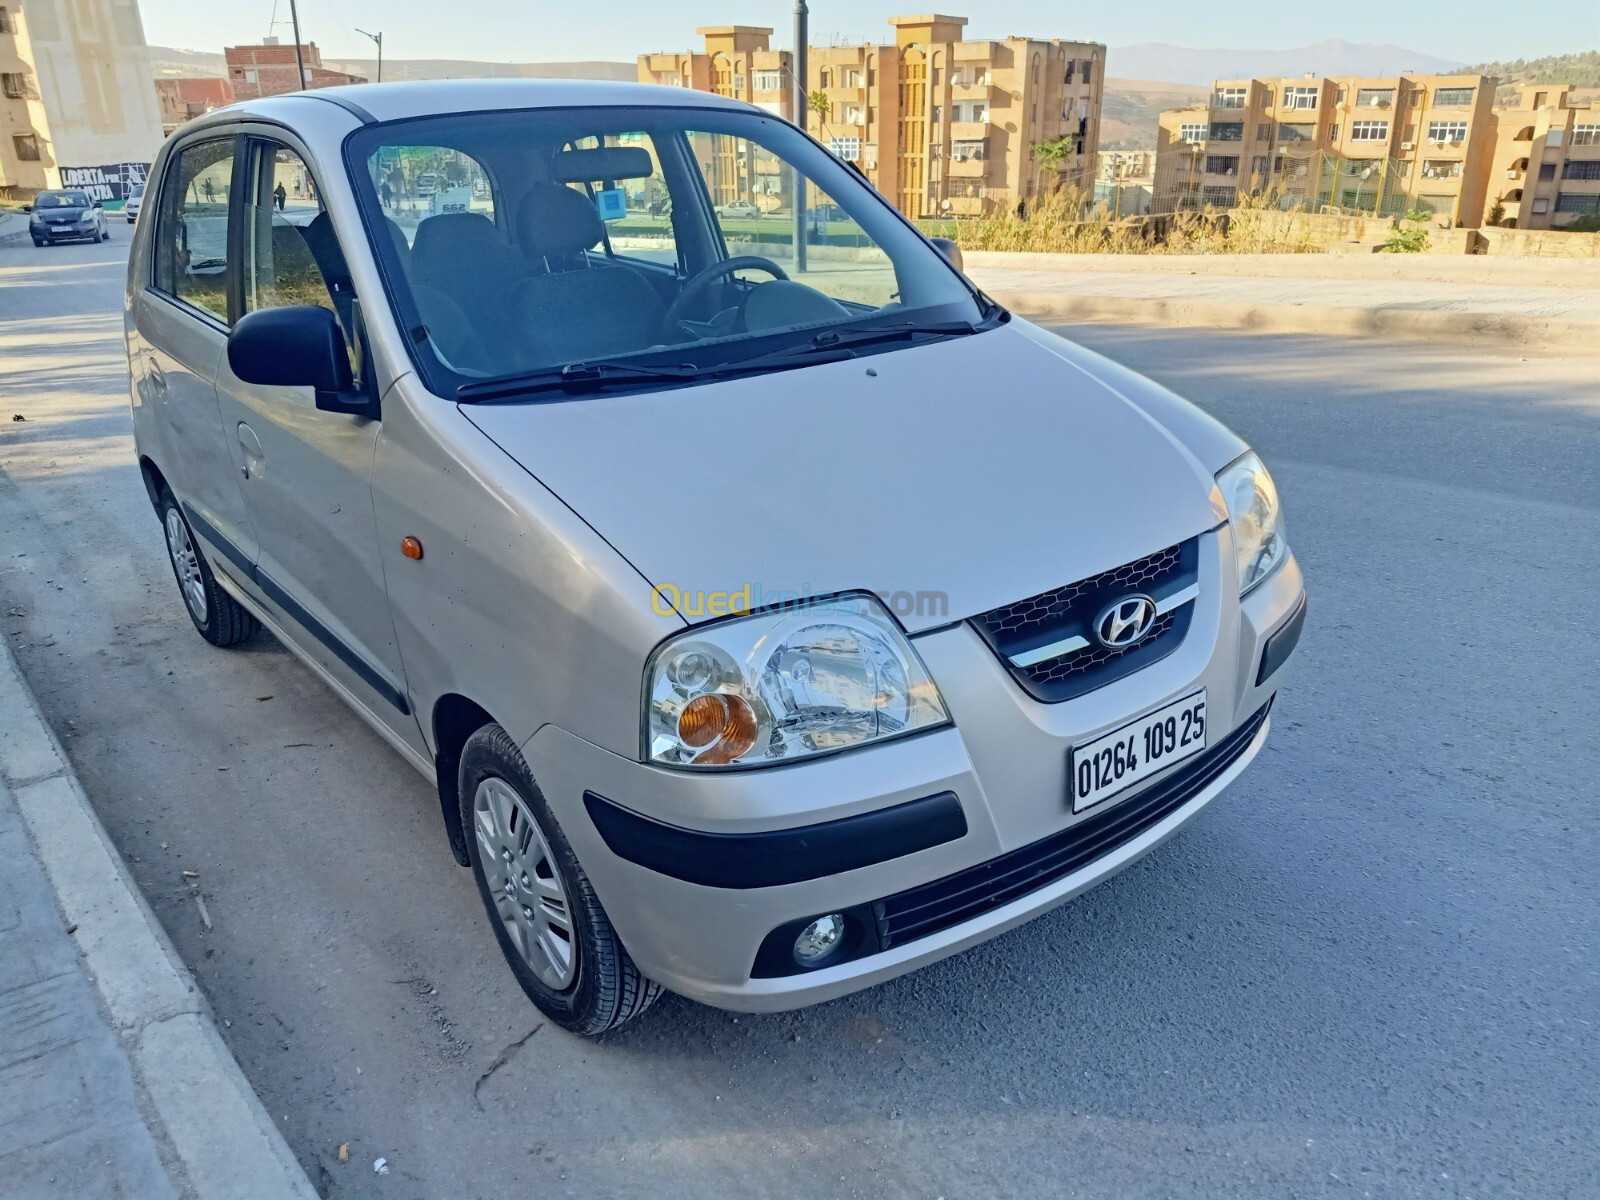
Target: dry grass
[1060, 222]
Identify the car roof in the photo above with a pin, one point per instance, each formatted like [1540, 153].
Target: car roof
[438, 97]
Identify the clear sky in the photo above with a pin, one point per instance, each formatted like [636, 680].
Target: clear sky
[541, 31]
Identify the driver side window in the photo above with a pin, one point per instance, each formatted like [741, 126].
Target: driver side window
[753, 194]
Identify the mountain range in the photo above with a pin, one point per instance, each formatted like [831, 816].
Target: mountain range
[1181, 64]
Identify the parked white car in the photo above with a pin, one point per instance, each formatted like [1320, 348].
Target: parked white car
[738, 208]
[771, 626]
[131, 206]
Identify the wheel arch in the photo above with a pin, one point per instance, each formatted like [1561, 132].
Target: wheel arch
[154, 481]
[455, 719]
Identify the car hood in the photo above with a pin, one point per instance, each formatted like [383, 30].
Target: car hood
[980, 469]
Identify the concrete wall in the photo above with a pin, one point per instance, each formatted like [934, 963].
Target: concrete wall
[1546, 243]
[96, 83]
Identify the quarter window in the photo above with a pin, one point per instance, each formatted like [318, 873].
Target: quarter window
[192, 234]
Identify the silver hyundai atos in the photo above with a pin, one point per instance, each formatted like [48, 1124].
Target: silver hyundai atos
[775, 612]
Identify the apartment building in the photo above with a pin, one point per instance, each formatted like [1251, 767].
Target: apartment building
[185, 98]
[1546, 170]
[268, 69]
[77, 103]
[942, 125]
[1383, 145]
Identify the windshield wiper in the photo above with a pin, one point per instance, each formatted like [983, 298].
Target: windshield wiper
[841, 342]
[572, 377]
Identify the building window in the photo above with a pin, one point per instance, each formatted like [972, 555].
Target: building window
[1369, 131]
[1589, 169]
[1586, 135]
[1297, 133]
[1462, 98]
[1578, 202]
[1222, 164]
[969, 150]
[969, 110]
[1220, 197]
[1547, 171]
[1072, 66]
[1333, 133]
[1447, 131]
[1227, 131]
[1258, 167]
[1374, 97]
[847, 148]
[768, 81]
[1085, 69]
[825, 78]
[18, 86]
[1191, 133]
[1266, 98]
[1301, 97]
[251, 77]
[1541, 205]
[852, 115]
[8, 23]
[1435, 168]
[1436, 204]
[1228, 98]
[869, 156]
[849, 77]
[26, 146]
[738, 85]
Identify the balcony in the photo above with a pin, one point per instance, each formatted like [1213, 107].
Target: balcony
[965, 130]
[966, 168]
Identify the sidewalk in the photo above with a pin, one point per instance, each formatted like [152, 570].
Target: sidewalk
[114, 1081]
[1528, 303]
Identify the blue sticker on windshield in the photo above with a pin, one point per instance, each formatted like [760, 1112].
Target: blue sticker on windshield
[612, 203]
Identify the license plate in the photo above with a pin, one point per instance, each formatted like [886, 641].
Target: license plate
[1115, 761]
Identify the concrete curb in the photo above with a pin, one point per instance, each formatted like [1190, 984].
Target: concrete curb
[1478, 328]
[212, 1119]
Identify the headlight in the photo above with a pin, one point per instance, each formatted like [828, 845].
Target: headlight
[1252, 498]
[784, 685]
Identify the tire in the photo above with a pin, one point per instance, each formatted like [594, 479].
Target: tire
[105, 235]
[38, 242]
[532, 886]
[221, 619]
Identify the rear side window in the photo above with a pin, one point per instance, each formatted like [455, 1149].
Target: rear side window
[191, 261]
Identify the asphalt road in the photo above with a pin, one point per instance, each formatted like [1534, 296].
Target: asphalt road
[1372, 970]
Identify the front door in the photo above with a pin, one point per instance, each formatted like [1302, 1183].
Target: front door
[181, 324]
[305, 473]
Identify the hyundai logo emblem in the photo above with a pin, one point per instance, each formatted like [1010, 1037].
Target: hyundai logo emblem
[1124, 622]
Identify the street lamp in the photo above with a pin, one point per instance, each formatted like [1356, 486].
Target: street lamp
[378, 38]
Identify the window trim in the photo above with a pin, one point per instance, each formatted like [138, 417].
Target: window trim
[166, 200]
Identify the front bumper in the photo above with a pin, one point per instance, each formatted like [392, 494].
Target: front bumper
[65, 233]
[1005, 759]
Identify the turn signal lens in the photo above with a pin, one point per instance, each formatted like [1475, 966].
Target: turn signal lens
[722, 726]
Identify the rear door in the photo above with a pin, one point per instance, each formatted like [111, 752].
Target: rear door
[182, 318]
[305, 473]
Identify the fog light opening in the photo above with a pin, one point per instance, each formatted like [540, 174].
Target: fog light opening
[818, 940]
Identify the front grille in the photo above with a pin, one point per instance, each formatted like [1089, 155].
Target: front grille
[1070, 611]
[925, 910]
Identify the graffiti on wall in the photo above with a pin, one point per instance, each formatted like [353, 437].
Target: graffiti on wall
[111, 182]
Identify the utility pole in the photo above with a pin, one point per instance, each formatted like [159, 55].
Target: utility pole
[378, 38]
[299, 62]
[802, 106]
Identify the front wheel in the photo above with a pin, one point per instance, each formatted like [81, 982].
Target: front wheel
[38, 241]
[546, 916]
[105, 235]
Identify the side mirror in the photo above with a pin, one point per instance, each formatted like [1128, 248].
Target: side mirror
[951, 251]
[297, 346]
[97, 204]
[27, 208]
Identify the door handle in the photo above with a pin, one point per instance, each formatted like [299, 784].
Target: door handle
[158, 377]
[253, 461]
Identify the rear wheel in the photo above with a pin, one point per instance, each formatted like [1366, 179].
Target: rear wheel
[221, 619]
[546, 916]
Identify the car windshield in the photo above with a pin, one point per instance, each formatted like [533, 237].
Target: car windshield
[61, 200]
[137, 192]
[516, 244]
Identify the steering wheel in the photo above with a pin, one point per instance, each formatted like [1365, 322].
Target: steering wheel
[695, 287]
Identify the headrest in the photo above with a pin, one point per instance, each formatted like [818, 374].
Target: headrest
[603, 162]
[450, 234]
[556, 220]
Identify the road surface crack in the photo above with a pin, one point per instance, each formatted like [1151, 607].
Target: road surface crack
[500, 1060]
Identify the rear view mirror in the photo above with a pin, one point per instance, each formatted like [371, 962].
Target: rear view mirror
[297, 346]
[951, 251]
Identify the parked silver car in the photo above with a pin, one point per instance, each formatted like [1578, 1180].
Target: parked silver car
[774, 619]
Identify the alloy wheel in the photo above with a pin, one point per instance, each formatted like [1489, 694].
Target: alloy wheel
[522, 877]
[186, 562]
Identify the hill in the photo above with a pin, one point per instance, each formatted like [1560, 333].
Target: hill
[1581, 69]
[1128, 113]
